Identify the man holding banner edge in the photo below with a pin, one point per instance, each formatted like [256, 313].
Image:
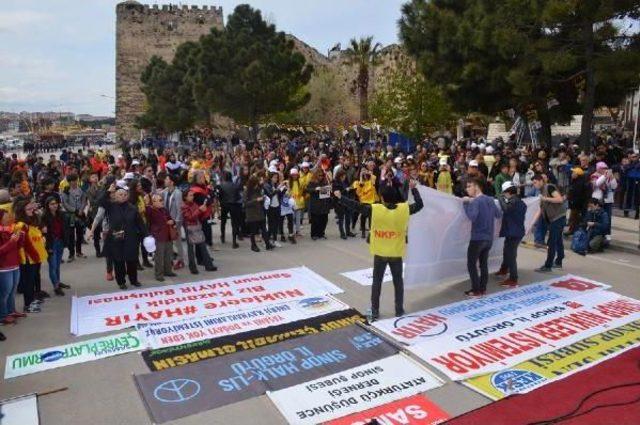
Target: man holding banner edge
[389, 224]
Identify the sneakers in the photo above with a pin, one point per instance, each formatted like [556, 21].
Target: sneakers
[255, 248]
[17, 315]
[123, 287]
[33, 308]
[170, 274]
[472, 294]
[212, 269]
[502, 272]
[400, 313]
[136, 284]
[178, 265]
[160, 279]
[292, 239]
[58, 291]
[109, 276]
[81, 255]
[8, 321]
[509, 283]
[42, 295]
[277, 244]
[64, 285]
[543, 269]
[372, 315]
[557, 266]
[282, 238]
[235, 245]
[71, 259]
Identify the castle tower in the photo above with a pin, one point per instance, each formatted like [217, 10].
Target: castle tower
[143, 31]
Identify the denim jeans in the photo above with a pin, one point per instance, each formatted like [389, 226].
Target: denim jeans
[8, 284]
[55, 258]
[555, 244]
[608, 208]
[540, 231]
[478, 254]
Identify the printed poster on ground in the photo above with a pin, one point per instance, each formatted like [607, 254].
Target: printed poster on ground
[69, 354]
[353, 390]
[177, 392]
[119, 310]
[416, 410]
[451, 318]
[502, 344]
[166, 358]
[558, 364]
[364, 277]
[167, 334]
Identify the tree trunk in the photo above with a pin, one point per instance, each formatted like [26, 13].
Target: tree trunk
[363, 87]
[589, 100]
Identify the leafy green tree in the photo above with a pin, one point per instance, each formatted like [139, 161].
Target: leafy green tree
[249, 70]
[363, 54]
[410, 104]
[169, 95]
[496, 55]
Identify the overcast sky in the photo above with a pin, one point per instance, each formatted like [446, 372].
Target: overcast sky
[60, 54]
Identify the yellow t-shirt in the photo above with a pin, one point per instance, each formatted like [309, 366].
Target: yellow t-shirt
[366, 191]
[34, 250]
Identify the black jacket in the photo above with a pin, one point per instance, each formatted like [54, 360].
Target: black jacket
[123, 217]
[513, 214]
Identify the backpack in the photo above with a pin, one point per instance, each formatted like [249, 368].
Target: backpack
[580, 241]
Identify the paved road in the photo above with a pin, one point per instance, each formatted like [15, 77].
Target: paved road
[103, 392]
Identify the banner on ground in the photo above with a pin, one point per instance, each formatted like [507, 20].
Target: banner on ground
[416, 410]
[439, 236]
[21, 410]
[119, 310]
[503, 344]
[558, 364]
[448, 319]
[166, 358]
[364, 277]
[167, 334]
[353, 390]
[65, 355]
[182, 391]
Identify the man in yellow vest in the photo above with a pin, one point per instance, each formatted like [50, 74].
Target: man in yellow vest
[389, 224]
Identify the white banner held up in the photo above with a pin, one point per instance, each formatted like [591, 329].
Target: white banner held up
[353, 390]
[505, 343]
[439, 237]
[106, 312]
[159, 335]
[446, 320]
[65, 355]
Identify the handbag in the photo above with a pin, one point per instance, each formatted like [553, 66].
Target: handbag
[195, 235]
[173, 233]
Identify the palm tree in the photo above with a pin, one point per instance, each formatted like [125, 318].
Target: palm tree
[363, 54]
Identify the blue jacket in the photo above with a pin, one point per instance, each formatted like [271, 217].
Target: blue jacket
[513, 214]
[483, 212]
[600, 218]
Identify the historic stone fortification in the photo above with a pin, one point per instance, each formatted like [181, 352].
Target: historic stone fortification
[143, 31]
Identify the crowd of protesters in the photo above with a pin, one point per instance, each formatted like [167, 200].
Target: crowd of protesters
[268, 190]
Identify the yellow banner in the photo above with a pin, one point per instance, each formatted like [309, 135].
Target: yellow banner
[558, 364]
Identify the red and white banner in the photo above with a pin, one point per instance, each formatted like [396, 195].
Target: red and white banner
[416, 410]
[353, 390]
[119, 310]
[451, 318]
[507, 342]
[167, 334]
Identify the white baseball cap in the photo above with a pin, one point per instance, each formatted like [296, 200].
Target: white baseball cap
[507, 185]
[489, 150]
[129, 176]
[482, 146]
[473, 163]
[398, 160]
[474, 145]
[293, 171]
[135, 162]
[121, 184]
[305, 165]
[273, 169]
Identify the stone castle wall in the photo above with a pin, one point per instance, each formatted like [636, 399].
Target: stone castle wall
[143, 31]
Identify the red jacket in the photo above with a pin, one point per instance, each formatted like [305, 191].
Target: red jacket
[9, 257]
[191, 214]
[157, 221]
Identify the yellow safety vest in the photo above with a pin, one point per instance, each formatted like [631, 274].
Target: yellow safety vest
[389, 230]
